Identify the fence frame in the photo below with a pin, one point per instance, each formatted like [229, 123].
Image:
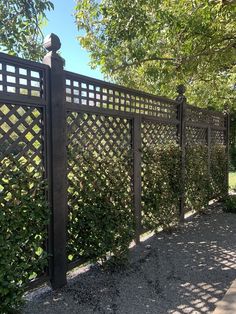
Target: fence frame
[55, 106]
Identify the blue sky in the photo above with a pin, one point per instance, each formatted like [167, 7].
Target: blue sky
[61, 22]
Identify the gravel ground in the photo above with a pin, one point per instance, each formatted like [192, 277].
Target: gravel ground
[187, 271]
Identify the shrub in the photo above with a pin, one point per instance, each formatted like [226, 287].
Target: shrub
[229, 205]
[197, 180]
[219, 171]
[161, 186]
[100, 205]
[203, 183]
[23, 219]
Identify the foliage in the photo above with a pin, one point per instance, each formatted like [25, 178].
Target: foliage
[203, 183]
[232, 180]
[23, 219]
[161, 186]
[230, 204]
[219, 176]
[154, 45]
[197, 179]
[232, 141]
[100, 205]
[20, 27]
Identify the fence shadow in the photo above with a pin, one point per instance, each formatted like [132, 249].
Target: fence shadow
[187, 271]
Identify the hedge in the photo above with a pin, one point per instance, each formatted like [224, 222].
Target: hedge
[23, 220]
[100, 200]
[101, 219]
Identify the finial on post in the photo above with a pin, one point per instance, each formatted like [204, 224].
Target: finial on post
[52, 43]
[181, 89]
[226, 109]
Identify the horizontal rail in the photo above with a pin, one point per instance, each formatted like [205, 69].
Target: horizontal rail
[37, 282]
[78, 262]
[22, 62]
[209, 111]
[122, 114]
[22, 100]
[204, 126]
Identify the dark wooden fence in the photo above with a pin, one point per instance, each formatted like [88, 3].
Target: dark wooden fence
[49, 111]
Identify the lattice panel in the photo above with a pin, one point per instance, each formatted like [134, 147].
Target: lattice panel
[22, 188]
[218, 137]
[21, 80]
[99, 160]
[99, 134]
[21, 134]
[96, 94]
[198, 115]
[160, 174]
[154, 133]
[196, 136]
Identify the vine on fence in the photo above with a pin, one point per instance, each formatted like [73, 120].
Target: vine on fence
[100, 205]
[23, 220]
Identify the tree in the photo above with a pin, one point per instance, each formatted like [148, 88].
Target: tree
[20, 27]
[154, 45]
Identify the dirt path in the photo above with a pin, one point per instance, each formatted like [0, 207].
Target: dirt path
[185, 272]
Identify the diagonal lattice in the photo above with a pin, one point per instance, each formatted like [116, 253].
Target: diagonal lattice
[154, 133]
[200, 115]
[196, 136]
[218, 137]
[21, 134]
[22, 184]
[99, 134]
[99, 165]
[160, 174]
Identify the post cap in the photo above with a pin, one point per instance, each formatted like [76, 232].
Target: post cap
[226, 109]
[181, 89]
[52, 42]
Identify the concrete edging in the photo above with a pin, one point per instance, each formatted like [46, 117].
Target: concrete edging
[228, 304]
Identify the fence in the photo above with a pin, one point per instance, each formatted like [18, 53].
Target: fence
[88, 137]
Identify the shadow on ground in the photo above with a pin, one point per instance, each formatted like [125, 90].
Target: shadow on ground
[187, 271]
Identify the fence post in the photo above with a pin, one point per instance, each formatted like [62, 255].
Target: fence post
[56, 163]
[137, 175]
[209, 150]
[182, 142]
[227, 134]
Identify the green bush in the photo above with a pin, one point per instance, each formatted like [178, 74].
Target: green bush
[229, 205]
[23, 219]
[161, 186]
[203, 183]
[219, 172]
[198, 187]
[100, 205]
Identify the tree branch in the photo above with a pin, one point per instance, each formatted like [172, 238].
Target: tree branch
[139, 62]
